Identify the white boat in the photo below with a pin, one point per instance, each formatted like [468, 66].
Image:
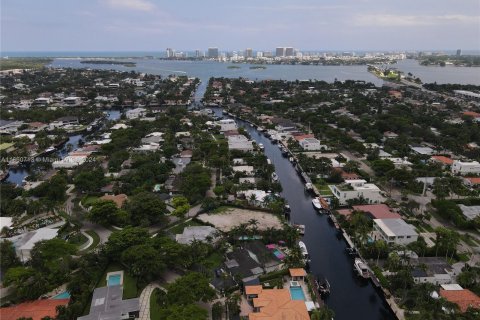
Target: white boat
[316, 204]
[303, 249]
[49, 149]
[261, 146]
[308, 186]
[361, 268]
[274, 177]
[300, 228]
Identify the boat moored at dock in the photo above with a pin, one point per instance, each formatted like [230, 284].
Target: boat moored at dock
[361, 268]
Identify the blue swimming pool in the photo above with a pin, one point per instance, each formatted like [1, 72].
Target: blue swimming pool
[297, 293]
[114, 280]
[63, 295]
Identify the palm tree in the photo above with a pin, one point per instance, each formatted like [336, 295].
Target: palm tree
[253, 223]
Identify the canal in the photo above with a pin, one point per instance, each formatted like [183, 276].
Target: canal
[351, 297]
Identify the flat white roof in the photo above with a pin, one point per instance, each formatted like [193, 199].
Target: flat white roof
[6, 222]
[452, 286]
[395, 227]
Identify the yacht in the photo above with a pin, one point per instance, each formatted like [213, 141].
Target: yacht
[303, 249]
[300, 228]
[274, 177]
[361, 268]
[308, 186]
[322, 284]
[316, 204]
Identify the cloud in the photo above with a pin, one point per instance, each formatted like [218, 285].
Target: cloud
[139, 5]
[390, 20]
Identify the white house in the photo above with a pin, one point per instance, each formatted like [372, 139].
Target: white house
[70, 161]
[239, 142]
[24, 243]
[459, 167]
[226, 125]
[394, 231]
[310, 144]
[254, 197]
[136, 113]
[248, 170]
[72, 101]
[356, 189]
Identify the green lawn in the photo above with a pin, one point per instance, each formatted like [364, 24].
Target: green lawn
[129, 284]
[154, 306]
[96, 240]
[323, 189]
[89, 200]
[179, 227]
[78, 239]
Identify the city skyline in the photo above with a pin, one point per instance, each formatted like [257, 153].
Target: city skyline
[148, 25]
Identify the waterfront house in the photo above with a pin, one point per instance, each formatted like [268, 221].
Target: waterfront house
[273, 304]
[136, 113]
[461, 168]
[9, 126]
[310, 144]
[434, 270]
[394, 231]
[357, 189]
[239, 142]
[462, 298]
[34, 310]
[226, 125]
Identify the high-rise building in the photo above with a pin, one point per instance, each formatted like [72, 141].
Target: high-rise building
[213, 53]
[259, 54]
[459, 52]
[280, 52]
[249, 53]
[198, 54]
[289, 52]
[170, 53]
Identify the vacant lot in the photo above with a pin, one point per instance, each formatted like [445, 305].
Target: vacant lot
[232, 217]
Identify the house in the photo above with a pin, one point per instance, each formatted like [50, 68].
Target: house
[64, 121]
[377, 211]
[444, 161]
[297, 274]
[72, 101]
[107, 303]
[356, 189]
[471, 181]
[9, 126]
[248, 170]
[283, 124]
[25, 242]
[433, 270]
[394, 231]
[240, 142]
[180, 164]
[400, 163]
[154, 137]
[226, 124]
[41, 101]
[310, 144]
[136, 113]
[424, 151]
[470, 212]
[275, 304]
[119, 126]
[73, 160]
[460, 167]
[254, 197]
[34, 310]
[462, 298]
[119, 199]
[34, 127]
[390, 135]
[196, 233]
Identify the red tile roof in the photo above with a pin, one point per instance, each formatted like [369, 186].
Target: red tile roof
[34, 309]
[463, 298]
[378, 211]
[443, 159]
[303, 136]
[471, 114]
[473, 180]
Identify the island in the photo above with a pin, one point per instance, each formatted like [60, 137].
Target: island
[112, 62]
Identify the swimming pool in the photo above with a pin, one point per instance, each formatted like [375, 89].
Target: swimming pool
[279, 254]
[297, 293]
[114, 280]
[63, 295]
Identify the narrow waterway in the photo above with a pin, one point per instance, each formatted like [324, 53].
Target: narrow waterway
[351, 297]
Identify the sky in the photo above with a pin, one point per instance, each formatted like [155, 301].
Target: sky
[154, 25]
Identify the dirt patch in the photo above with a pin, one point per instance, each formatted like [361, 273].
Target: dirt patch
[233, 217]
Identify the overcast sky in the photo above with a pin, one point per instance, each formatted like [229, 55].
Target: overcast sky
[154, 25]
